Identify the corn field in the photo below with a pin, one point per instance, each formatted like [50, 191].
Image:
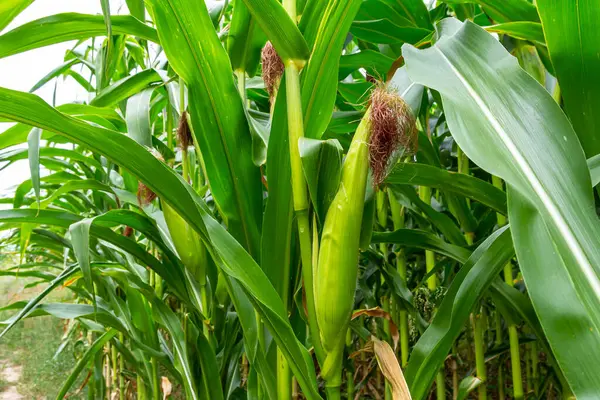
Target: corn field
[308, 199]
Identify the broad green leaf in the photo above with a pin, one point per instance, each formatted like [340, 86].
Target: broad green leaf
[319, 80]
[594, 166]
[407, 196]
[278, 233]
[61, 69]
[169, 273]
[375, 63]
[33, 144]
[125, 88]
[484, 89]
[9, 9]
[170, 321]
[560, 310]
[106, 71]
[280, 30]
[218, 120]
[229, 255]
[322, 164]
[378, 21]
[467, 287]
[573, 42]
[72, 186]
[467, 385]
[97, 346]
[421, 240]
[80, 237]
[137, 9]
[138, 117]
[524, 30]
[69, 26]
[31, 304]
[245, 40]
[464, 185]
[505, 10]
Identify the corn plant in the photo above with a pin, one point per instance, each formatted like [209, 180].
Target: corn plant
[314, 199]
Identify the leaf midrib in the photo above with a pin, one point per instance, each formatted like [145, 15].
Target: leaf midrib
[234, 183]
[532, 179]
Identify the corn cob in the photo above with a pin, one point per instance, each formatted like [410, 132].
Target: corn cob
[387, 124]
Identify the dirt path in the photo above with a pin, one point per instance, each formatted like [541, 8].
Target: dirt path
[10, 374]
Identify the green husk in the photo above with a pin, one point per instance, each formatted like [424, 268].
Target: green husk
[336, 273]
[188, 244]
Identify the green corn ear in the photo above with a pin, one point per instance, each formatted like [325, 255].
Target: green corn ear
[188, 244]
[337, 269]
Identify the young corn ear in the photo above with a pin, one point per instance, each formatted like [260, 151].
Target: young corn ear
[187, 242]
[375, 140]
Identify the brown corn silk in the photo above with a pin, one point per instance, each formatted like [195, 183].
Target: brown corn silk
[393, 131]
[272, 69]
[184, 134]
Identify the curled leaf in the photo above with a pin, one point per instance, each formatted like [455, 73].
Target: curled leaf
[388, 363]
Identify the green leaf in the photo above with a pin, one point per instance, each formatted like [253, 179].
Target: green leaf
[229, 255]
[9, 9]
[524, 30]
[137, 9]
[97, 346]
[219, 124]
[319, 79]
[245, 40]
[31, 304]
[378, 21]
[421, 240]
[125, 88]
[447, 181]
[374, 62]
[61, 69]
[280, 30]
[467, 385]
[138, 117]
[170, 321]
[407, 195]
[466, 289]
[322, 164]
[505, 10]
[551, 186]
[106, 72]
[80, 237]
[561, 311]
[277, 233]
[574, 43]
[69, 26]
[33, 143]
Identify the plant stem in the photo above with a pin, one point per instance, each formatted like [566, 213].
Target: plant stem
[300, 194]
[535, 367]
[397, 212]
[141, 389]
[333, 393]
[115, 370]
[478, 330]
[425, 195]
[299, 190]
[121, 366]
[349, 373]
[454, 365]
[513, 334]
[284, 378]
[432, 283]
